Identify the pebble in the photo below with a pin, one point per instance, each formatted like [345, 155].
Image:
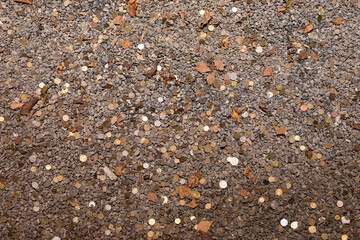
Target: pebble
[344, 220]
[92, 204]
[269, 94]
[233, 76]
[109, 173]
[35, 185]
[245, 114]
[258, 49]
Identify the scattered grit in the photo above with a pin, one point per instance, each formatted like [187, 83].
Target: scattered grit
[183, 119]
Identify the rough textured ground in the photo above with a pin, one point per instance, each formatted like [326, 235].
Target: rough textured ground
[169, 124]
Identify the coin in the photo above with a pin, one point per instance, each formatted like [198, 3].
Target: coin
[83, 158]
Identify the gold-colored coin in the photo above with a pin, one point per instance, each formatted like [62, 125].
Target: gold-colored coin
[196, 194]
[207, 148]
[312, 229]
[324, 236]
[24, 97]
[278, 192]
[202, 35]
[313, 205]
[83, 158]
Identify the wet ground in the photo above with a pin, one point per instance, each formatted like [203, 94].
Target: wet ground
[144, 119]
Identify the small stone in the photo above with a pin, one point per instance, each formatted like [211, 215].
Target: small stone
[344, 220]
[110, 173]
[35, 185]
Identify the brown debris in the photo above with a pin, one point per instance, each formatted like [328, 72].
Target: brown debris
[202, 67]
[219, 64]
[308, 28]
[240, 40]
[204, 226]
[199, 93]
[337, 21]
[15, 106]
[24, 1]
[262, 107]
[118, 170]
[118, 20]
[235, 115]
[151, 72]
[182, 16]
[267, 71]
[194, 179]
[207, 17]
[26, 108]
[353, 124]
[164, 17]
[315, 57]
[281, 9]
[131, 7]
[280, 130]
[151, 197]
[210, 80]
[308, 154]
[225, 43]
[125, 43]
[193, 204]
[184, 192]
[248, 174]
[60, 69]
[303, 55]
